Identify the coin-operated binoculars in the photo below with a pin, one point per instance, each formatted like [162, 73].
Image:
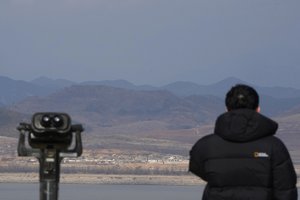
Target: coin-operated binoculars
[51, 137]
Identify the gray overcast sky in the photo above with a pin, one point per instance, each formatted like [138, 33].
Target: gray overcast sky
[152, 41]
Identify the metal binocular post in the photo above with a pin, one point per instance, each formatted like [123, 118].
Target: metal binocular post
[50, 143]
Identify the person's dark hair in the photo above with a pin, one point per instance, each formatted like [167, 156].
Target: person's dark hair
[242, 96]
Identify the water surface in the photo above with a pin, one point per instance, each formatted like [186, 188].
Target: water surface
[103, 192]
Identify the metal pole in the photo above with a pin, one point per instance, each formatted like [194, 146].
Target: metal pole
[48, 190]
[49, 174]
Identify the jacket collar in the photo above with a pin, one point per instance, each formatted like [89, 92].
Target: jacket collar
[243, 125]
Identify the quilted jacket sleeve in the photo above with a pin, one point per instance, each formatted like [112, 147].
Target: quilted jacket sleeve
[196, 163]
[284, 175]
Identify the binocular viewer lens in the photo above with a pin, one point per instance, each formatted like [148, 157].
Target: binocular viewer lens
[51, 123]
[56, 121]
[46, 121]
[50, 130]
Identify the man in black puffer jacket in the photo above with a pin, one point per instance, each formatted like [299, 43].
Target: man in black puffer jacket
[243, 160]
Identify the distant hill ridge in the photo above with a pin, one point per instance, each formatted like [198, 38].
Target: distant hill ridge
[13, 91]
[126, 117]
[110, 106]
[113, 106]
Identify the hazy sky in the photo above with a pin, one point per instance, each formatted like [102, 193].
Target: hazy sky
[152, 41]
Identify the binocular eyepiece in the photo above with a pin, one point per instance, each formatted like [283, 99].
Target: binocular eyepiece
[48, 121]
[45, 123]
[50, 130]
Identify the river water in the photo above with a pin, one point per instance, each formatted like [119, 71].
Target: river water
[15, 191]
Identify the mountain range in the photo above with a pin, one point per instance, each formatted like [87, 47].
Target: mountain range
[274, 100]
[119, 114]
[15, 90]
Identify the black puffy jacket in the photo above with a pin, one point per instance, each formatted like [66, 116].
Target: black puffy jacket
[242, 160]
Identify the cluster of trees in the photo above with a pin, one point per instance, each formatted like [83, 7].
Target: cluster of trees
[98, 170]
[18, 168]
[124, 170]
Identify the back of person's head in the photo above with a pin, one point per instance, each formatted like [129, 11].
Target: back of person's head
[242, 96]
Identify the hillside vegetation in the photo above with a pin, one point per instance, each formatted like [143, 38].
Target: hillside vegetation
[145, 118]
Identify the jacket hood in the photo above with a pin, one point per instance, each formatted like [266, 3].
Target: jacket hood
[243, 125]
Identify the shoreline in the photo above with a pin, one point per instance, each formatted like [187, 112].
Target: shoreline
[110, 179]
[107, 179]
